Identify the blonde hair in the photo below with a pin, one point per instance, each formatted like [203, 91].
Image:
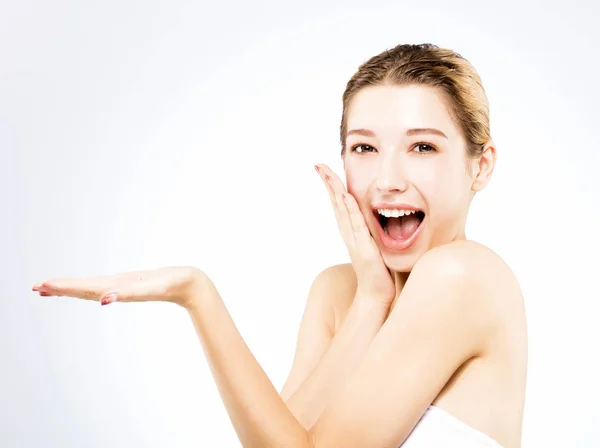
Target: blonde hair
[427, 64]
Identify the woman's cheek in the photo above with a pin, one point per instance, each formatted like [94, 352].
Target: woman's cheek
[356, 190]
[357, 182]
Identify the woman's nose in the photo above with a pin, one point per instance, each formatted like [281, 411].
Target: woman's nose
[391, 178]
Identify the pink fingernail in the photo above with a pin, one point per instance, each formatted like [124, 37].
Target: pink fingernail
[109, 298]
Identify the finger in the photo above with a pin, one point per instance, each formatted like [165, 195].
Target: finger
[89, 288]
[362, 236]
[339, 190]
[71, 287]
[49, 287]
[82, 288]
[344, 223]
[333, 181]
[327, 181]
[335, 188]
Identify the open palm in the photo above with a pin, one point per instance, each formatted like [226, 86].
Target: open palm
[170, 284]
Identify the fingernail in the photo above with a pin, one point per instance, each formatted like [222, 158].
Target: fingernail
[317, 169]
[109, 298]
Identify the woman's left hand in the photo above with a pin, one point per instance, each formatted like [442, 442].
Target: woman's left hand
[168, 284]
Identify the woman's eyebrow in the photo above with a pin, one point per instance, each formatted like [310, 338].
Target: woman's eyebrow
[409, 132]
[426, 131]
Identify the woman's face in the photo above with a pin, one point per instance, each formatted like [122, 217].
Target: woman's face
[404, 152]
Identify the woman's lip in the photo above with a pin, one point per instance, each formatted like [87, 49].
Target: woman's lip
[397, 245]
[393, 206]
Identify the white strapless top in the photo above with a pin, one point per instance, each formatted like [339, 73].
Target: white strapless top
[438, 428]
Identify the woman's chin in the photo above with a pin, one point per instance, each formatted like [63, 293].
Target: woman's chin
[399, 262]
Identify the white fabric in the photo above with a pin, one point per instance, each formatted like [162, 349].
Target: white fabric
[437, 428]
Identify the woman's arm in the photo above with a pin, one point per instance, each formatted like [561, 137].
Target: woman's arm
[323, 358]
[317, 328]
[258, 413]
[374, 291]
[442, 318]
[445, 315]
[348, 347]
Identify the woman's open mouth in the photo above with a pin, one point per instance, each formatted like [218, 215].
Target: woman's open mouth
[398, 228]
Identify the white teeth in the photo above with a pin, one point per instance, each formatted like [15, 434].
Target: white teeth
[395, 213]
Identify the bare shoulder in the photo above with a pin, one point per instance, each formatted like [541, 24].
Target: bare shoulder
[344, 277]
[483, 283]
[491, 289]
[478, 267]
[473, 262]
[341, 282]
[465, 251]
[499, 374]
[339, 274]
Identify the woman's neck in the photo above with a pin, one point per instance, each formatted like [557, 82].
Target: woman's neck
[400, 279]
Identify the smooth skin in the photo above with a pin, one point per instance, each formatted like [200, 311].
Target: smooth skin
[384, 337]
[456, 333]
[481, 382]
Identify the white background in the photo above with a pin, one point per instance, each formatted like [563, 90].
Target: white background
[139, 134]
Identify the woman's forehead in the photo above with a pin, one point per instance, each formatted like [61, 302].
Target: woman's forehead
[395, 109]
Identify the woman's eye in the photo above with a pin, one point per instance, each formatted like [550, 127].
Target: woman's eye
[362, 148]
[423, 147]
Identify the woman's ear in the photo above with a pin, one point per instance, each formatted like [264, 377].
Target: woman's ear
[483, 167]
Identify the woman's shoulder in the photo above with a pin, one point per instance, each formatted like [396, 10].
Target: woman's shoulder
[477, 268]
[490, 284]
[470, 259]
[463, 251]
[478, 265]
[340, 282]
[338, 279]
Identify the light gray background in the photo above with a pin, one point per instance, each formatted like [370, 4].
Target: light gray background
[139, 134]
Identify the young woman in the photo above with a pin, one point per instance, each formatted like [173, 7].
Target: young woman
[421, 340]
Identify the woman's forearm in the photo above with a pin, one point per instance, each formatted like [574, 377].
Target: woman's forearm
[350, 343]
[257, 411]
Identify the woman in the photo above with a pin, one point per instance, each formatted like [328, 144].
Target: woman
[421, 341]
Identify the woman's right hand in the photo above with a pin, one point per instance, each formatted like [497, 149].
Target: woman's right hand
[374, 280]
